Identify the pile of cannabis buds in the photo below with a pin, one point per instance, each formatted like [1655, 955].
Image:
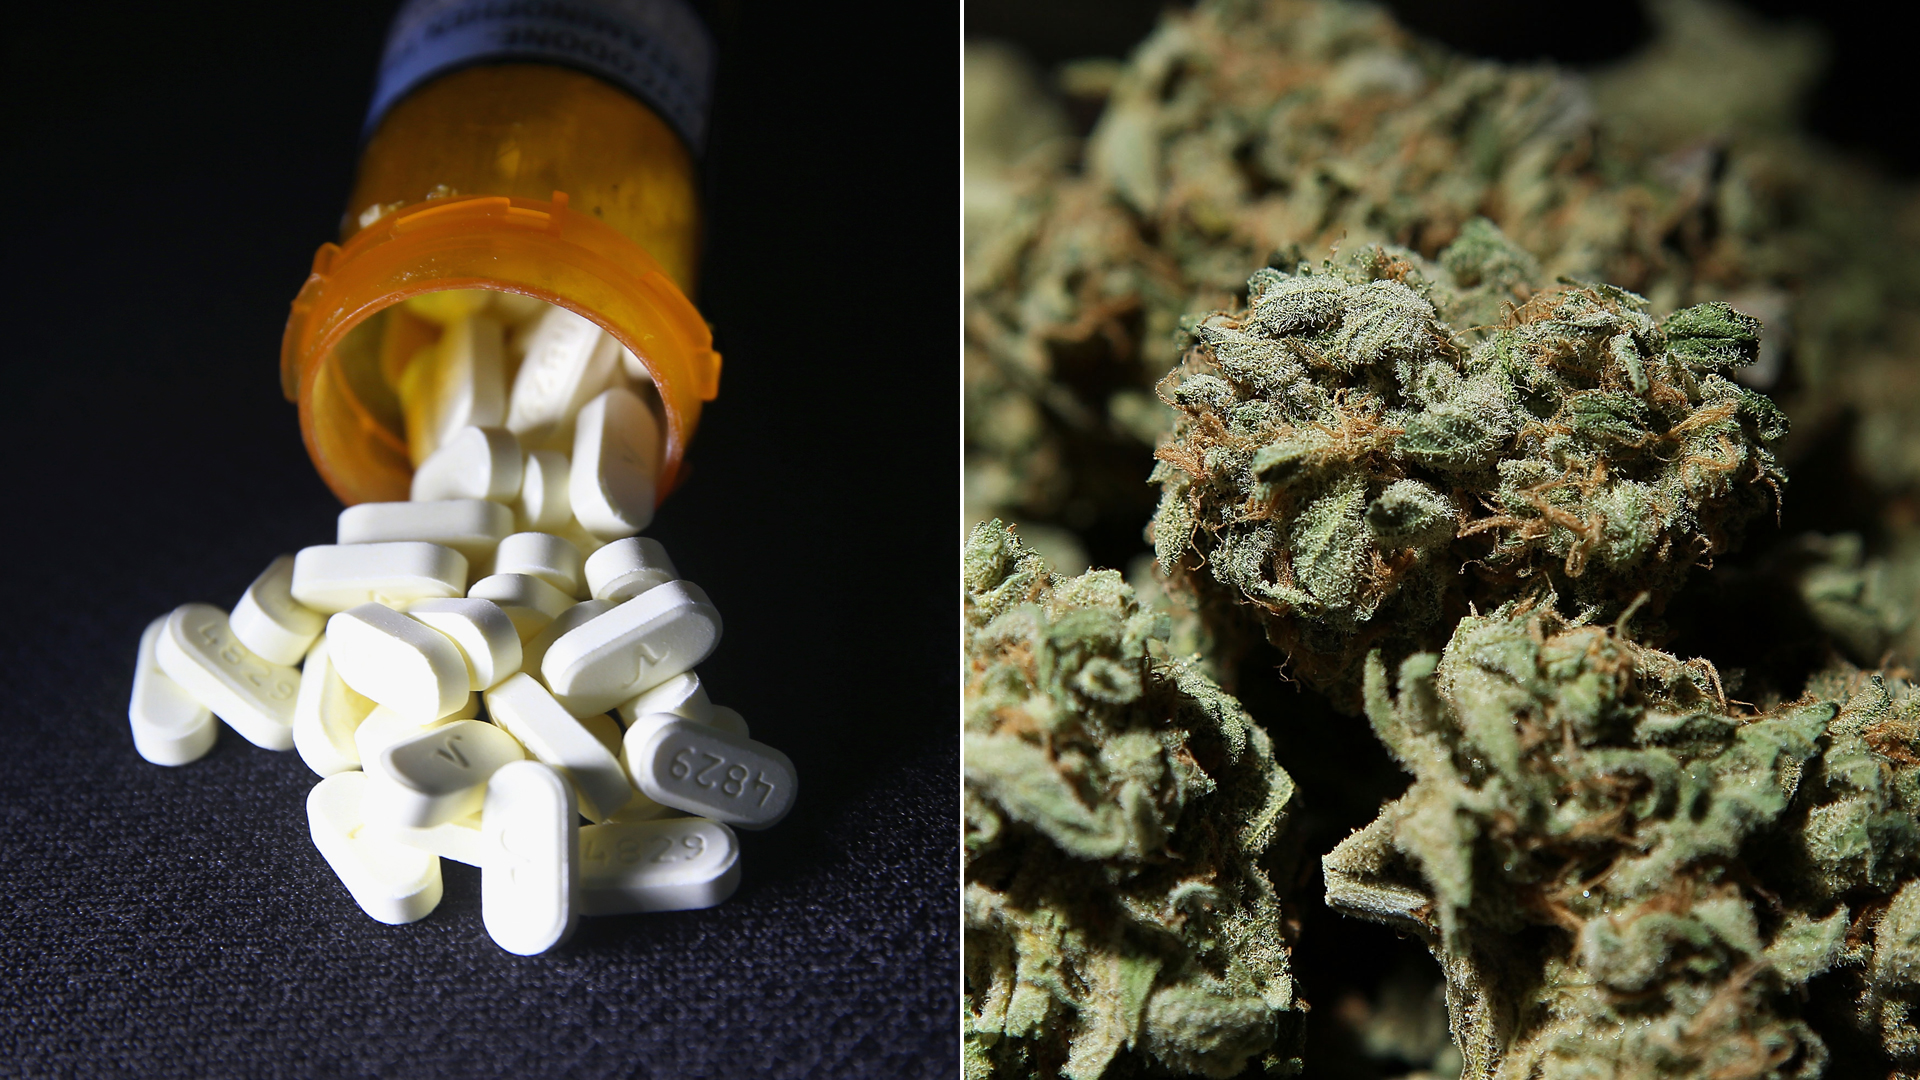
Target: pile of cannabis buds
[1479, 606]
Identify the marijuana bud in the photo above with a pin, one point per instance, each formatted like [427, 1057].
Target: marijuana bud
[1123, 817]
[1619, 869]
[1248, 133]
[1355, 474]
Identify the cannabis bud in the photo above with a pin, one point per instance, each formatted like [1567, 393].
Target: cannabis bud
[1355, 474]
[1122, 815]
[1621, 870]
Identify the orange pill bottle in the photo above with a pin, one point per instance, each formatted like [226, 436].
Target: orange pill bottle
[540, 147]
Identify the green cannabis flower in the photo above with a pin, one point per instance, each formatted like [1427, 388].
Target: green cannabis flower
[1122, 818]
[1450, 456]
[1624, 873]
[1242, 134]
[1356, 474]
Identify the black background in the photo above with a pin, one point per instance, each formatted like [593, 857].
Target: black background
[169, 170]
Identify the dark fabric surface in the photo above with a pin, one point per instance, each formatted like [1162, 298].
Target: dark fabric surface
[169, 171]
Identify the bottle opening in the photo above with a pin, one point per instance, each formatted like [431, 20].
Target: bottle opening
[369, 332]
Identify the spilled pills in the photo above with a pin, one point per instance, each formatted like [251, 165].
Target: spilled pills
[472, 672]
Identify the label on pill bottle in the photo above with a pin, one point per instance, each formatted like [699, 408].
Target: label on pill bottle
[658, 50]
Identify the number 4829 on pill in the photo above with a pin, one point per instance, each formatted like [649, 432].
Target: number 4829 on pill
[703, 770]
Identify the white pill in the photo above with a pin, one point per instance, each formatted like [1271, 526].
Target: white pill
[552, 735]
[543, 491]
[331, 578]
[383, 727]
[472, 527]
[488, 642]
[681, 695]
[270, 621]
[531, 603]
[676, 865]
[439, 775]
[542, 555]
[530, 859]
[326, 715]
[254, 696]
[476, 463]
[537, 646]
[616, 457]
[456, 840]
[391, 882]
[459, 383]
[626, 568]
[568, 361]
[635, 647]
[399, 662]
[169, 726]
[718, 717]
[712, 773]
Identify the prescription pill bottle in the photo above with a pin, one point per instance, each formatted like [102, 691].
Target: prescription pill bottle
[543, 149]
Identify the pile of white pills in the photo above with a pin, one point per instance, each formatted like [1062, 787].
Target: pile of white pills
[473, 672]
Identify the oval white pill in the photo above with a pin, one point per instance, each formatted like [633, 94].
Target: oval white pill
[472, 527]
[399, 662]
[568, 360]
[635, 647]
[459, 382]
[537, 646]
[530, 852]
[439, 775]
[626, 568]
[676, 865]
[270, 621]
[543, 501]
[485, 636]
[169, 726]
[616, 457]
[713, 773]
[391, 882]
[681, 695]
[255, 697]
[550, 734]
[331, 578]
[643, 808]
[383, 727]
[476, 463]
[541, 555]
[326, 714]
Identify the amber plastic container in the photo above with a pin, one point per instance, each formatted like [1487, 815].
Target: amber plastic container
[517, 177]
